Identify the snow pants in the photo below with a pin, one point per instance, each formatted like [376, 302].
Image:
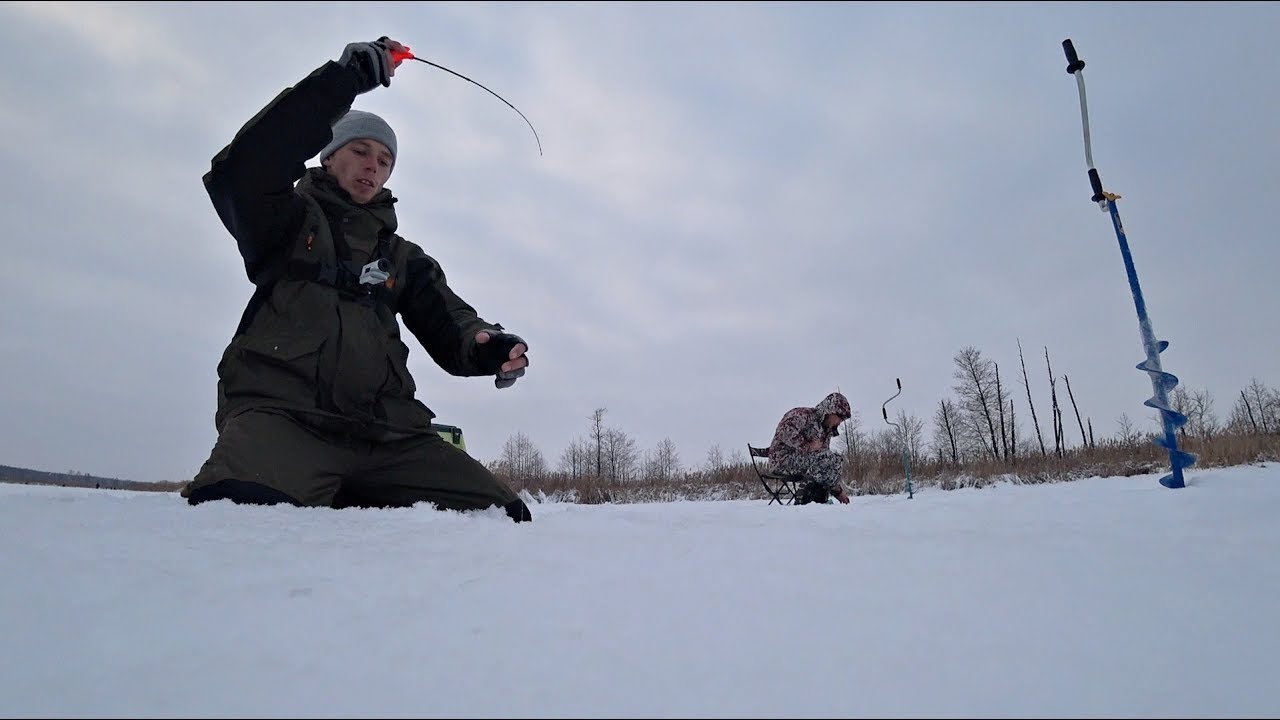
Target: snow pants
[822, 466]
[268, 457]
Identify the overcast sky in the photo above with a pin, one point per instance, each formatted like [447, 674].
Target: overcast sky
[740, 208]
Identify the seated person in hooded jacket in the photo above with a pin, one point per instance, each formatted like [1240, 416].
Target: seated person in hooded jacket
[801, 446]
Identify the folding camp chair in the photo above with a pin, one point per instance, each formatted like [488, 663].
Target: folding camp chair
[783, 488]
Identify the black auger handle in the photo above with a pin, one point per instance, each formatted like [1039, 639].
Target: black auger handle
[1096, 182]
[1074, 62]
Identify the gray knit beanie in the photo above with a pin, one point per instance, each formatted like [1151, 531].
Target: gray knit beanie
[360, 125]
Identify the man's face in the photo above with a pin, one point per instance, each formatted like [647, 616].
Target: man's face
[831, 420]
[361, 168]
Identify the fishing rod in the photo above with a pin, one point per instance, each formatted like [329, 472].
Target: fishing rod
[405, 54]
[1161, 382]
[906, 466]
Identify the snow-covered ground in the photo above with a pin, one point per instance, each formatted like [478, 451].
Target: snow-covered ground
[1101, 597]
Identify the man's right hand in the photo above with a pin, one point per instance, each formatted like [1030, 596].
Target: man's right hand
[374, 62]
[842, 495]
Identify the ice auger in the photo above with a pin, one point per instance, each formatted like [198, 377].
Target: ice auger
[1161, 382]
[902, 436]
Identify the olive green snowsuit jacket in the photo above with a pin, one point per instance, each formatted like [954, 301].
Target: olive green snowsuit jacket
[312, 340]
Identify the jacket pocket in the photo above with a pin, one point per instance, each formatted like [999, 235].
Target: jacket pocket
[283, 368]
[398, 359]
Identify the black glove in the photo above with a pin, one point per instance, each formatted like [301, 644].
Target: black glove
[371, 62]
[496, 351]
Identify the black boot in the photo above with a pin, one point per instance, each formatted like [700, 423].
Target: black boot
[241, 493]
[518, 511]
[812, 492]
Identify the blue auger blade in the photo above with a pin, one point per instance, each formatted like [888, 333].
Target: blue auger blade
[1171, 417]
[1162, 382]
[1178, 460]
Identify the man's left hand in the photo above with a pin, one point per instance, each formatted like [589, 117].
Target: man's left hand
[507, 349]
[842, 495]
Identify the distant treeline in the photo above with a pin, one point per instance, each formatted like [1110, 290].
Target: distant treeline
[24, 476]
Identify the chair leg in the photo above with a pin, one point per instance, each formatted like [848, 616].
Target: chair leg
[792, 492]
[785, 491]
[776, 491]
[773, 494]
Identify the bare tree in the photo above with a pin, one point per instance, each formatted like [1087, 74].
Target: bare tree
[851, 431]
[1242, 411]
[620, 455]
[1129, 435]
[520, 460]
[1267, 402]
[975, 387]
[663, 464]
[1013, 434]
[944, 432]
[1027, 386]
[737, 456]
[576, 460]
[1004, 437]
[1259, 407]
[912, 435]
[1202, 421]
[886, 447]
[1057, 414]
[852, 446]
[1180, 402]
[1084, 437]
[715, 459]
[597, 437]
